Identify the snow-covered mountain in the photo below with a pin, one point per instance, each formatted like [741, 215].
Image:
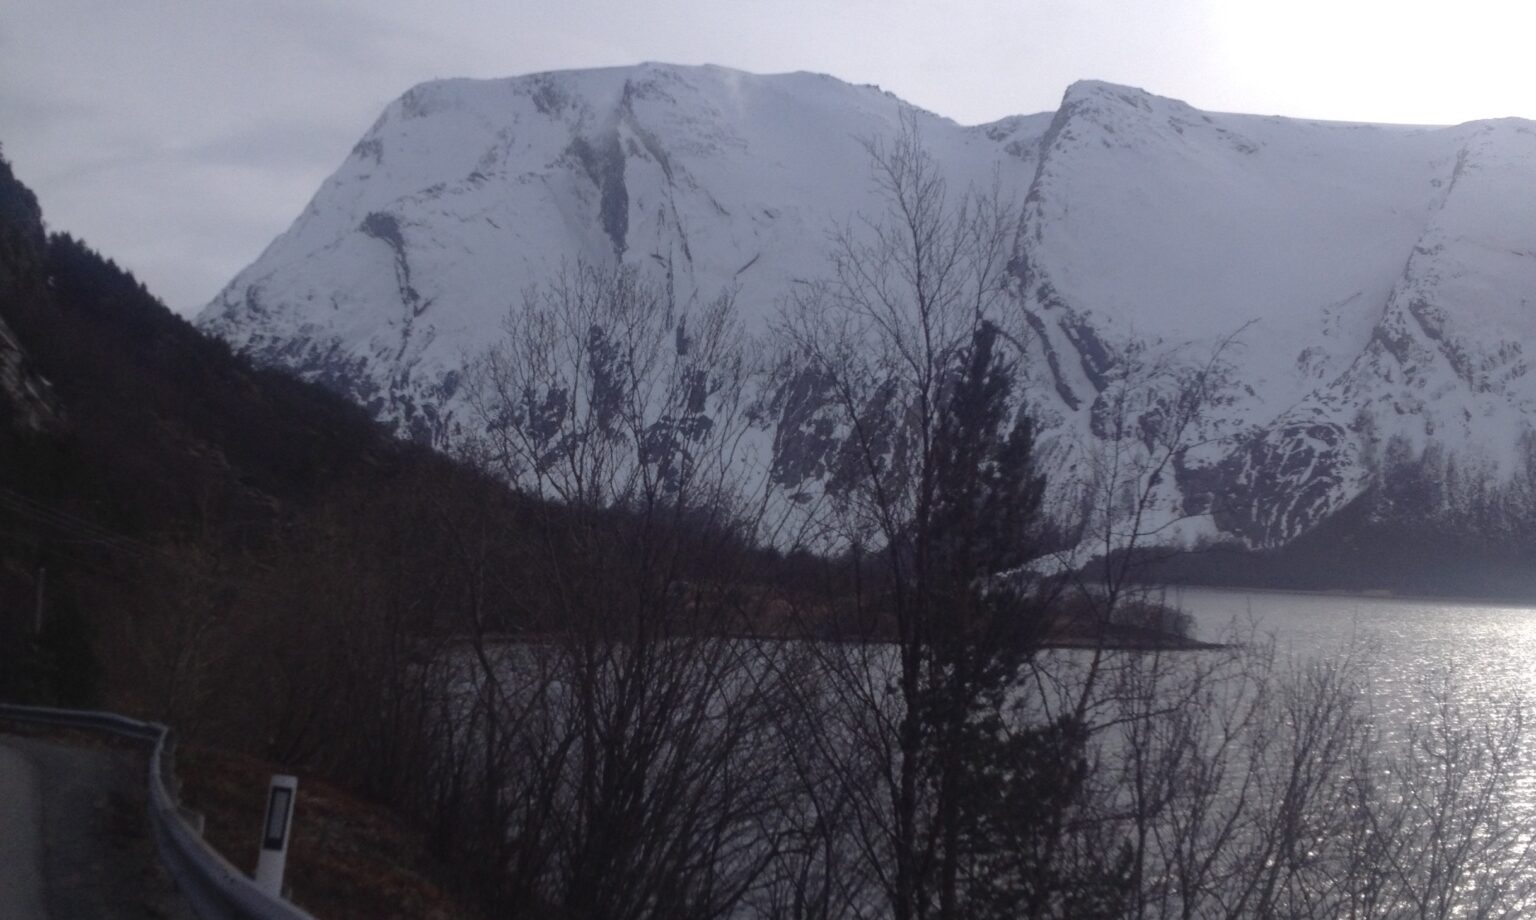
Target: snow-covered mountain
[1377, 282]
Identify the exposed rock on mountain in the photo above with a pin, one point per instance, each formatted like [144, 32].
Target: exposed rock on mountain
[1372, 284]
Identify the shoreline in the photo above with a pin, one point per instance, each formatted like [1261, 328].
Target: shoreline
[1367, 595]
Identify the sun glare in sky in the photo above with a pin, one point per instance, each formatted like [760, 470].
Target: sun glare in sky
[1404, 61]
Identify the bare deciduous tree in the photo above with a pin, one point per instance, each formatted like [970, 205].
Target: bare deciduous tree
[913, 351]
[630, 742]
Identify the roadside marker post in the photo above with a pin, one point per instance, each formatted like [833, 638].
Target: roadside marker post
[275, 832]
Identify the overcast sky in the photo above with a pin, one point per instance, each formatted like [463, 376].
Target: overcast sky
[180, 136]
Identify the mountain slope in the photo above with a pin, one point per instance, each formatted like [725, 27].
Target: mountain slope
[154, 488]
[1360, 293]
[466, 192]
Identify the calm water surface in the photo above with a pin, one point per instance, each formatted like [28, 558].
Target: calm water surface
[1488, 650]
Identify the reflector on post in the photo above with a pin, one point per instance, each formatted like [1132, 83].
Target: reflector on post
[275, 832]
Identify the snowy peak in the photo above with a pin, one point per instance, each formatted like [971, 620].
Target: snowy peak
[1463, 312]
[465, 192]
[1372, 275]
[1129, 119]
[1375, 282]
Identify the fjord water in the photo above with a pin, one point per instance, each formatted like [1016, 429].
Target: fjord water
[1402, 645]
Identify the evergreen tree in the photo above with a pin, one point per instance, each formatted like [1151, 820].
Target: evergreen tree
[908, 341]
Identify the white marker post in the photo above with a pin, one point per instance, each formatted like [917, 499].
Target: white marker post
[274, 834]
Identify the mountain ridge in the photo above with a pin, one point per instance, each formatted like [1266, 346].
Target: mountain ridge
[1372, 274]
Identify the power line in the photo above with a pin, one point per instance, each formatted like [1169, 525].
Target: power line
[88, 531]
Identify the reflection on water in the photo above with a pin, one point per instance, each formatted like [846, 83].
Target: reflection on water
[1488, 651]
[1489, 648]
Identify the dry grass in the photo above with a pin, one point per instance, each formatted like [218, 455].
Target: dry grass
[349, 860]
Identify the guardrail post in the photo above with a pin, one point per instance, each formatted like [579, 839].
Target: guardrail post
[274, 834]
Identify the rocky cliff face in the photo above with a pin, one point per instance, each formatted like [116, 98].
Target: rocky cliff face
[27, 397]
[1329, 288]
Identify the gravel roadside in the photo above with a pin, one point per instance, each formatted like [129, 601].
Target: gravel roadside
[91, 838]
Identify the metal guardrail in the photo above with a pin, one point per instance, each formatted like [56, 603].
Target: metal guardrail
[214, 888]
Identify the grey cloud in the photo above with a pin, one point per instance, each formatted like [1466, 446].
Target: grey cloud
[277, 146]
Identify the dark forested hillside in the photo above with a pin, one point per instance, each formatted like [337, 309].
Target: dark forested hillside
[251, 560]
[151, 483]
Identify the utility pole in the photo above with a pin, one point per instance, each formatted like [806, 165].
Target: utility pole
[42, 582]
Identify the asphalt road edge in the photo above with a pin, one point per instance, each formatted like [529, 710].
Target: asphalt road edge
[214, 888]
